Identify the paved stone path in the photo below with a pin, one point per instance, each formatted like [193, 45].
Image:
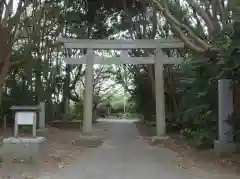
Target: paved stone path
[126, 156]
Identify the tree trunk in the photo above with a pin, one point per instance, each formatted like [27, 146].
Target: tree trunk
[5, 55]
[38, 82]
[3, 73]
[66, 93]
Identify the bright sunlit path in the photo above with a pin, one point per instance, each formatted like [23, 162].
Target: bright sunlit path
[118, 120]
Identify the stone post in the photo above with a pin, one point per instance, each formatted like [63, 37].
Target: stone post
[225, 141]
[225, 105]
[42, 120]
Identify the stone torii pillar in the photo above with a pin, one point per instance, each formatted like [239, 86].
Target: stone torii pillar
[160, 60]
[88, 94]
[159, 92]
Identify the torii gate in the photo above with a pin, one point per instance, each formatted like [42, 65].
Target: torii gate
[90, 59]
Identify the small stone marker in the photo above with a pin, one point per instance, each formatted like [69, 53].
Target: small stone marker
[23, 149]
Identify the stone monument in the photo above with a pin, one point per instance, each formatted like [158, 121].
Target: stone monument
[23, 148]
[225, 142]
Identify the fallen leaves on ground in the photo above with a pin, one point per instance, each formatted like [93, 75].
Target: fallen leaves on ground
[188, 157]
[61, 151]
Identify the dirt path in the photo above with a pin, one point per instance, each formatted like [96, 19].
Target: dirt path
[125, 155]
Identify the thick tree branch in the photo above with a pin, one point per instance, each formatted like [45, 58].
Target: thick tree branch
[154, 24]
[186, 40]
[199, 24]
[203, 14]
[78, 75]
[199, 45]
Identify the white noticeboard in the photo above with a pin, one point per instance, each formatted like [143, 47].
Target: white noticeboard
[25, 118]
